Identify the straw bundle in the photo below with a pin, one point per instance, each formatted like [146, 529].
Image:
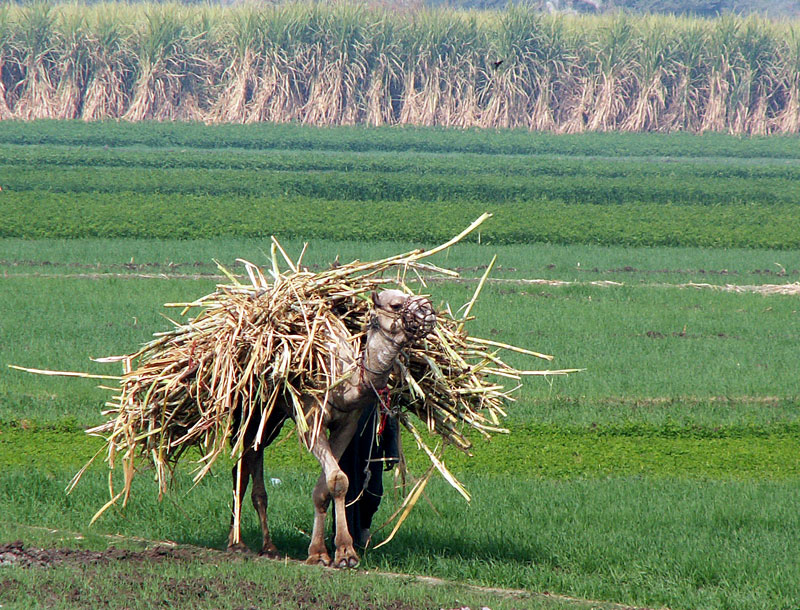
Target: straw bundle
[272, 339]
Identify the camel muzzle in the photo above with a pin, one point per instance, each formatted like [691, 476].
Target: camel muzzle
[418, 317]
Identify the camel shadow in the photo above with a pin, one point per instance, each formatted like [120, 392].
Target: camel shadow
[293, 544]
[492, 546]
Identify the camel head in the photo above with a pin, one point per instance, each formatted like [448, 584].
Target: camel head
[403, 317]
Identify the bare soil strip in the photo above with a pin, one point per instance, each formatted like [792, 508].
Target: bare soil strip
[792, 288]
[766, 289]
[655, 401]
[17, 553]
[171, 267]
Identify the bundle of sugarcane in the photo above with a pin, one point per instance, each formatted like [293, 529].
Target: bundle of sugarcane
[254, 343]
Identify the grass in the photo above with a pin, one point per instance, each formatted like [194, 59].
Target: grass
[682, 543]
[739, 453]
[623, 429]
[574, 263]
[213, 580]
[651, 337]
[211, 585]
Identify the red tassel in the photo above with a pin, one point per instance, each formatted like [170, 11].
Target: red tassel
[383, 397]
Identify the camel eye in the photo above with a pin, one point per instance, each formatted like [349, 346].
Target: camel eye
[396, 306]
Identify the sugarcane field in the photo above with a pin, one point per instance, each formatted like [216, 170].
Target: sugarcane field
[400, 305]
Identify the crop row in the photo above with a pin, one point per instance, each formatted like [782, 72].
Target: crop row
[766, 455]
[156, 180]
[31, 157]
[490, 190]
[38, 214]
[274, 136]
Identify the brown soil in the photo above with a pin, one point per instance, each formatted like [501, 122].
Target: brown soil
[177, 592]
[188, 592]
[17, 553]
[174, 268]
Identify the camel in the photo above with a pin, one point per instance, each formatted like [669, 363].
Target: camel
[396, 320]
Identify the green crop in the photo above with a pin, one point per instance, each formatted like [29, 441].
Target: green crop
[180, 136]
[312, 186]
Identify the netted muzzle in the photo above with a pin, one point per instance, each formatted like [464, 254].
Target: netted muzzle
[418, 317]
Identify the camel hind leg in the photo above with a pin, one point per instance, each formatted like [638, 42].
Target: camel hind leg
[259, 497]
[241, 476]
[251, 464]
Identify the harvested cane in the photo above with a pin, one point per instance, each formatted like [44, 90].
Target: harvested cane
[255, 342]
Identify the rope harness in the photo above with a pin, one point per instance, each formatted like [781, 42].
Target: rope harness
[418, 319]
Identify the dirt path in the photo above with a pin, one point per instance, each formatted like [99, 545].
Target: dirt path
[791, 288]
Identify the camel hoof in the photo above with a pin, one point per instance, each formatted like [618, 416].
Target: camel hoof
[347, 558]
[239, 547]
[319, 559]
[270, 553]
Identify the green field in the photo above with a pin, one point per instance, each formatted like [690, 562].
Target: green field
[665, 474]
[194, 182]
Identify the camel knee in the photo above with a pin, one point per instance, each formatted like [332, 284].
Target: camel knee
[335, 486]
[338, 484]
[260, 501]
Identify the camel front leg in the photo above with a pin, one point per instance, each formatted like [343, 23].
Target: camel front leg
[317, 550]
[332, 484]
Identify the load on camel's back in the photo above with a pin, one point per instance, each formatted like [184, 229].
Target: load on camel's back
[396, 319]
[317, 348]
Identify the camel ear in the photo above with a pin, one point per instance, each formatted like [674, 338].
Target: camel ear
[375, 300]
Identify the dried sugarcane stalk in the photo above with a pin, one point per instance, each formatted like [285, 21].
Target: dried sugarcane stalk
[257, 341]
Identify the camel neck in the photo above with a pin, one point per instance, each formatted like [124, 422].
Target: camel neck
[380, 352]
